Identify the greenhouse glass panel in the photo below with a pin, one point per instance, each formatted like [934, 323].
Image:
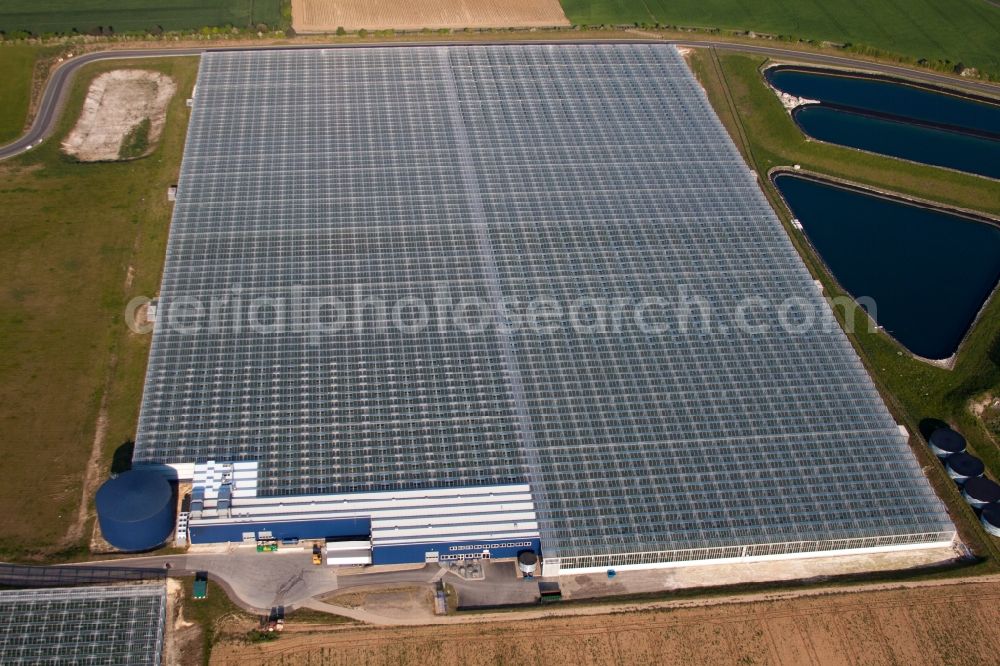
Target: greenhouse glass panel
[121, 624]
[424, 267]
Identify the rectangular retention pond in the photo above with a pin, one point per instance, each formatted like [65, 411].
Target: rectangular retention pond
[888, 97]
[917, 143]
[928, 272]
[896, 119]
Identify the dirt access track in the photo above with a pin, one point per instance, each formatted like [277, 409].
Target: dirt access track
[328, 15]
[117, 102]
[934, 624]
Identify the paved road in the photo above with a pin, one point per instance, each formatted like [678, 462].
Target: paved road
[260, 581]
[56, 90]
[256, 581]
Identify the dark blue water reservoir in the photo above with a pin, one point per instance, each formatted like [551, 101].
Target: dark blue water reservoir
[136, 510]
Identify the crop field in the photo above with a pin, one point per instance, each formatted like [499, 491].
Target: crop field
[60, 16]
[933, 625]
[328, 15]
[966, 31]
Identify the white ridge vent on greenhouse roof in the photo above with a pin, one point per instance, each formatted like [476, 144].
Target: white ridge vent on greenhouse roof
[511, 174]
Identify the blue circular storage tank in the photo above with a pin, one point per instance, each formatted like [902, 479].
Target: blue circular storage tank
[991, 519]
[136, 510]
[980, 491]
[962, 466]
[945, 442]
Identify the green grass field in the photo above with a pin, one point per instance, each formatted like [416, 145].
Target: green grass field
[69, 233]
[17, 63]
[63, 16]
[916, 391]
[960, 30]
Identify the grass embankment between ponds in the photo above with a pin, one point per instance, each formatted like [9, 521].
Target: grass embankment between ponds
[77, 242]
[919, 394]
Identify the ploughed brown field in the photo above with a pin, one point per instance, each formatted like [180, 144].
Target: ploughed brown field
[328, 15]
[923, 625]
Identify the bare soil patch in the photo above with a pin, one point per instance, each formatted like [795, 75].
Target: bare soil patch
[182, 638]
[926, 625]
[806, 568]
[328, 15]
[401, 601]
[119, 105]
[986, 408]
[92, 475]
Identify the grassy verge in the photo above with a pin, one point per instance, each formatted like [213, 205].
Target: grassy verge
[17, 65]
[77, 241]
[918, 393]
[964, 31]
[310, 616]
[210, 613]
[219, 619]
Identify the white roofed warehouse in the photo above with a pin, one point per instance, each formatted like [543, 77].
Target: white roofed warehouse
[475, 300]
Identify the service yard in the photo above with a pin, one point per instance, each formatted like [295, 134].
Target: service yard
[928, 625]
[328, 15]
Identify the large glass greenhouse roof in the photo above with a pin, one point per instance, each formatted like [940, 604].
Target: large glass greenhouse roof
[120, 624]
[326, 194]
